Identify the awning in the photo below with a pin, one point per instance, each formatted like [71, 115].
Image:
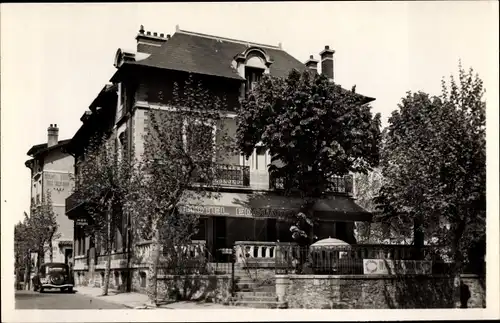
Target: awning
[268, 205]
[63, 243]
[341, 208]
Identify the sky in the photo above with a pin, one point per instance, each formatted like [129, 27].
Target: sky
[55, 58]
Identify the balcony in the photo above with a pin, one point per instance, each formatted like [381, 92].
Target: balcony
[339, 184]
[229, 175]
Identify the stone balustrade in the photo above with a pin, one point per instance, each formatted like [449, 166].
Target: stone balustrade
[258, 250]
[80, 263]
[142, 250]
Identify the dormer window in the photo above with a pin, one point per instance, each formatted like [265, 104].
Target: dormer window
[251, 64]
[253, 76]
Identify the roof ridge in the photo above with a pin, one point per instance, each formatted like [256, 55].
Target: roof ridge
[228, 39]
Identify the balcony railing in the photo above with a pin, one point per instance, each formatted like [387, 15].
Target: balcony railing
[229, 175]
[338, 184]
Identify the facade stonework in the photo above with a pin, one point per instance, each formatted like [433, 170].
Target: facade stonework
[367, 292]
[148, 85]
[52, 173]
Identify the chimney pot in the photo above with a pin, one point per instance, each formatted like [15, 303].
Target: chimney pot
[168, 36]
[312, 64]
[52, 135]
[141, 30]
[147, 39]
[327, 68]
[177, 28]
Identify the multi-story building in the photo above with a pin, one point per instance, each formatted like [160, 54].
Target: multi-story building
[51, 173]
[226, 67]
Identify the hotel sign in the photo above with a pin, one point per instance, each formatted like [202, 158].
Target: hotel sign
[396, 267]
[216, 210]
[232, 211]
[81, 222]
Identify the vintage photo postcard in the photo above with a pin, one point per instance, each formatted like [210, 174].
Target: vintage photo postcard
[249, 161]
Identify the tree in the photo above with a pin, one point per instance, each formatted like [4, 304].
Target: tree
[381, 229]
[102, 184]
[43, 227]
[313, 129]
[433, 163]
[182, 149]
[23, 245]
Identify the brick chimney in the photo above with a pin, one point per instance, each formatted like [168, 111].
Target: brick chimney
[52, 135]
[312, 64]
[327, 62]
[147, 42]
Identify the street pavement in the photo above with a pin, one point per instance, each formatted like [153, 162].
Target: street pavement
[56, 300]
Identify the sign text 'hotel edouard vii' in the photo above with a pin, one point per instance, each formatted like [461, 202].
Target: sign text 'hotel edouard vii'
[232, 211]
[216, 210]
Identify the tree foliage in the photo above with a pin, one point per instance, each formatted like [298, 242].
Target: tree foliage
[35, 235]
[101, 185]
[433, 163]
[182, 149]
[23, 246]
[313, 129]
[381, 229]
[43, 227]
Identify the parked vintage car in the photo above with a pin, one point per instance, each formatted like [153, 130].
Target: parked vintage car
[53, 275]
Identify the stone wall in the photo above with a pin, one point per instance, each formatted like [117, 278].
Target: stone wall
[477, 288]
[362, 291]
[214, 288]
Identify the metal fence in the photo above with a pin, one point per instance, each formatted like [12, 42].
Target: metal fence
[349, 260]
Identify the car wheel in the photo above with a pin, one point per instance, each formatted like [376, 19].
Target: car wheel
[70, 289]
[41, 290]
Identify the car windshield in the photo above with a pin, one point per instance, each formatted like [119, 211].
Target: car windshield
[55, 269]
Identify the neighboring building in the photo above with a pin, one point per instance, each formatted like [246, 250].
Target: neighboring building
[225, 66]
[51, 171]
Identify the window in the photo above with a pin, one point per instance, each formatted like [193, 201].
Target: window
[123, 143]
[199, 143]
[260, 158]
[121, 103]
[253, 76]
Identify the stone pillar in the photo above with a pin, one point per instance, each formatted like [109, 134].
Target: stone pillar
[282, 282]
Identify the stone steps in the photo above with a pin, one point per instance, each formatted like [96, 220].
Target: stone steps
[244, 297]
[256, 288]
[258, 304]
[254, 291]
[256, 294]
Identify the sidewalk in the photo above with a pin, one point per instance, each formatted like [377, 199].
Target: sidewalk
[140, 301]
